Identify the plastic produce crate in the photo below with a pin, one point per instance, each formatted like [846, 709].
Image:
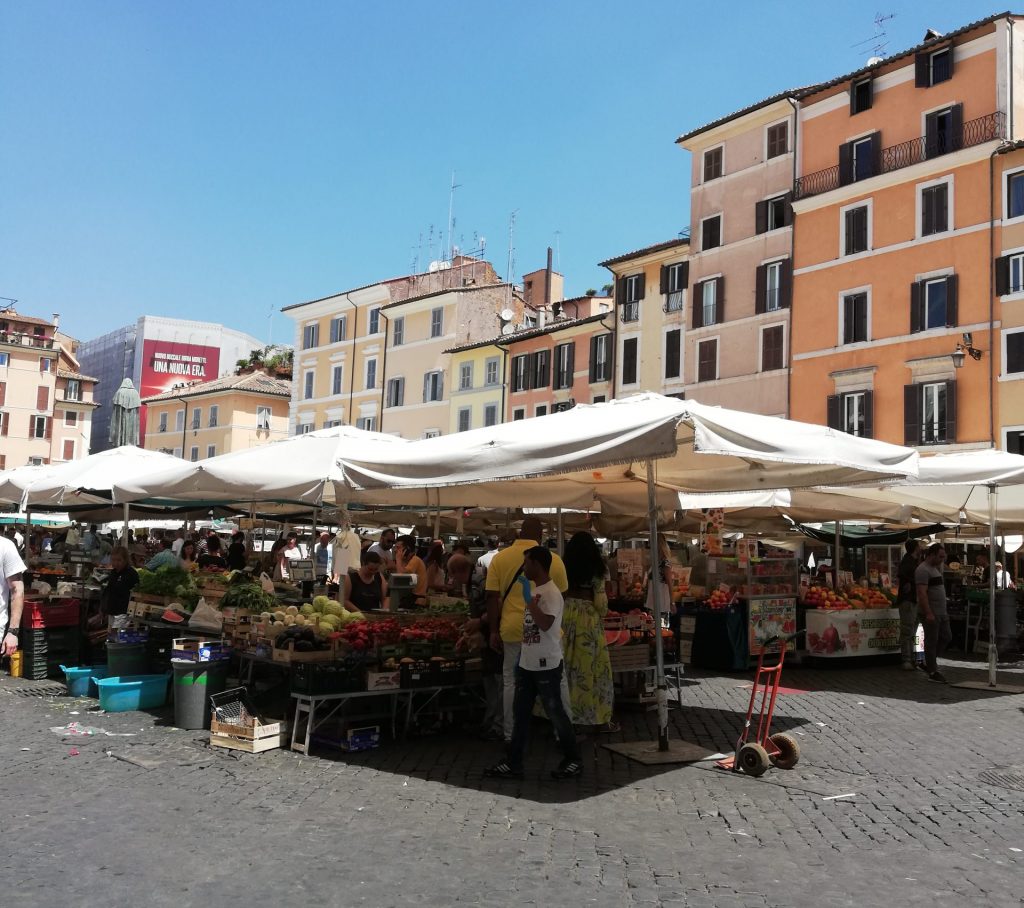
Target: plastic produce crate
[416, 674]
[450, 671]
[327, 678]
[122, 694]
[37, 615]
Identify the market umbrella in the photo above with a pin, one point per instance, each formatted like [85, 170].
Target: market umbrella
[124, 415]
[596, 452]
[87, 481]
[297, 470]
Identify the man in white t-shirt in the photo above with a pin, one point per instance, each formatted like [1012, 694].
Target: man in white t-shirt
[179, 541]
[539, 672]
[12, 596]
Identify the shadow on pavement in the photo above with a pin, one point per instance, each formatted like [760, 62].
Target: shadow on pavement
[459, 759]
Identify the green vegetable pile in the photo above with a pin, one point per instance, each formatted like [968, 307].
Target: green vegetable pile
[249, 596]
[164, 581]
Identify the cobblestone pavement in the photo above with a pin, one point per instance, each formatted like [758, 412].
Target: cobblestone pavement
[932, 812]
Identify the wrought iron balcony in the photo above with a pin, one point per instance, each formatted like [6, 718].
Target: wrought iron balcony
[895, 157]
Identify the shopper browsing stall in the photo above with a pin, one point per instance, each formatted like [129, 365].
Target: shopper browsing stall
[12, 596]
[505, 608]
[164, 557]
[213, 558]
[236, 552]
[539, 672]
[907, 602]
[408, 562]
[587, 663]
[931, 600]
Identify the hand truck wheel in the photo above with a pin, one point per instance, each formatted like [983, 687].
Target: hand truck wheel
[789, 751]
[753, 759]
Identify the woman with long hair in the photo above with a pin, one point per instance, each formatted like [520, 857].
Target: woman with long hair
[436, 582]
[587, 664]
[189, 555]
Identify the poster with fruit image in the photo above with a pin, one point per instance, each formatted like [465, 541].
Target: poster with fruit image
[835, 634]
[770, 616]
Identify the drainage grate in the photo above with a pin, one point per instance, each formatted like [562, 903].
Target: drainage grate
[46, 689]
[1012, 777]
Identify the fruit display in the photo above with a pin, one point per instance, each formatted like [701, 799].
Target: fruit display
[854, 597]
[825, 598]
[862, 597]
[719, 599]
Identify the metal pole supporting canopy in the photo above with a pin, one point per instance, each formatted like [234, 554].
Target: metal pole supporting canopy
[659, 653]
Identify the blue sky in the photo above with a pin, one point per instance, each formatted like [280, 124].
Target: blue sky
[220, 161]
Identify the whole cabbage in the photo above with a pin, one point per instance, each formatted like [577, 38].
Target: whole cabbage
[307, 610]
[333, 607]
[319, 602]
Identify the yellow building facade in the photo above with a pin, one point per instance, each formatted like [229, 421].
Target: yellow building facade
[233, 413]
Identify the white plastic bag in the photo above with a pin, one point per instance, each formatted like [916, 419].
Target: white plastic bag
[206, 617]
[266, 583]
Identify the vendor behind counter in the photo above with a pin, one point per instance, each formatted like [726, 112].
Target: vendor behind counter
[119, 585]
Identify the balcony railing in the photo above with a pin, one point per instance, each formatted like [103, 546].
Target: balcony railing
[974, 132]
[18, 339]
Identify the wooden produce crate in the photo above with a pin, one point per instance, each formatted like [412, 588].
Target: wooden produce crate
[250, 739]
[289, 655]
[630, 657]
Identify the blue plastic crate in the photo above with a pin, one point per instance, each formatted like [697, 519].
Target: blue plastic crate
[123, 694]
[79, 680]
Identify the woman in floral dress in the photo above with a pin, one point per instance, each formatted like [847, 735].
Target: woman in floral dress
[587, 665]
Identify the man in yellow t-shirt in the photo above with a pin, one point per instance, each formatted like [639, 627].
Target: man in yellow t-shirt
[506, 609]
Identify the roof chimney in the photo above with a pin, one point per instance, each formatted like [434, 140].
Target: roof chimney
[547, 281]
[56, 319]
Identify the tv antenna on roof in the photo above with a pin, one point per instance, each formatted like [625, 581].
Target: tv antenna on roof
[879, 41]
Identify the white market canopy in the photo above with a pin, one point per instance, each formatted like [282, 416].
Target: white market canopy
[79, 482]
[579, 458]
[593, 454]
[302, 470]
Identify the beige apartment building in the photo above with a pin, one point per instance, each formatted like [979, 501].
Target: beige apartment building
[227, 414]
[340, 343]
[651, 292]
[374, 357]
[742, 171]
[46, 403]
[416, 397]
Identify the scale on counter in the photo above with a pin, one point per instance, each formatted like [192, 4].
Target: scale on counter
[403, 591]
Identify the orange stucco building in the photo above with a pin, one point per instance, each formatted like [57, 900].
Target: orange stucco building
[898, 219]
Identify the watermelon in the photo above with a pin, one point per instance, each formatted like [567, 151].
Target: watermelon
[172, 616]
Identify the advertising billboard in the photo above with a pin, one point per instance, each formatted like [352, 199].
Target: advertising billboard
[169, 363]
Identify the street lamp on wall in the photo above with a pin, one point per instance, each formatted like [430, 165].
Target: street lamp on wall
[964, 349]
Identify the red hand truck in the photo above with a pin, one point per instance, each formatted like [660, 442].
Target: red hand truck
[780, 750]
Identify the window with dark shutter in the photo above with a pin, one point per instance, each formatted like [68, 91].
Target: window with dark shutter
[934, 212]
[540, 368]
[629, 360]
[855, 230]
[761, 217]
[911, 414]
[778, 139]
[855, 318]
[761, 289]
[42, 397]
[950, 436]
[1014, 352]
[1014, 443]
[707, 360]
[673, 353]
[772, 353]
[861, 95]
[712, 164]
[3, 392]
[952, 300]
[711, 232]
[845, 164]
[1015, 195]
[832, 418]
[1002, 270]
